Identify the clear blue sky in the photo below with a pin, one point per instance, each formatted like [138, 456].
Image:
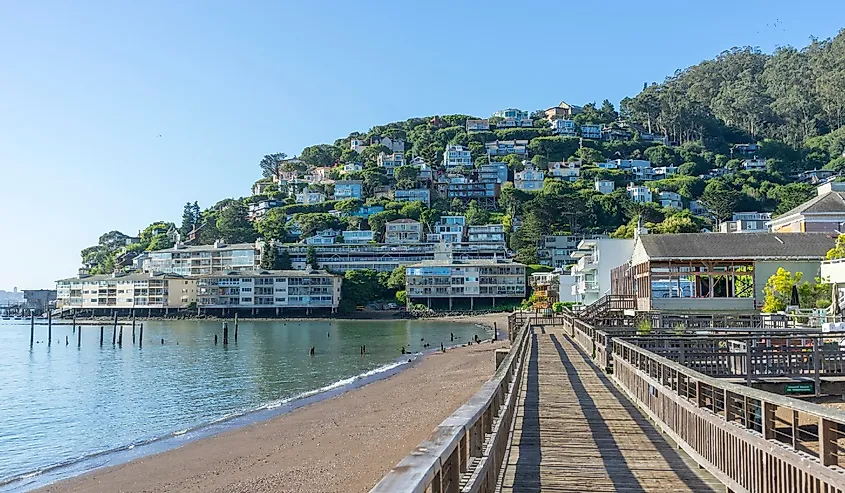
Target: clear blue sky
[86, 88]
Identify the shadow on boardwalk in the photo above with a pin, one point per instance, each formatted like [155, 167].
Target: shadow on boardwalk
[530, 454]
[611, 454]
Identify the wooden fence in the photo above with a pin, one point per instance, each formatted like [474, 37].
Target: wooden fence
[752, 441]
[466, 451]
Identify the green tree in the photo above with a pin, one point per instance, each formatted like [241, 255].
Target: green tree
[189, 220]
[234, 225]
[271, 164]
[406, 173]
[271, 226]
[310, 223]
[402, 297]
[397, 278]
[791, 196]
[269, 257]
[475, 215]
[720, 199]
[320, 155]
[311, 257]
[284, 260]
[838, 251]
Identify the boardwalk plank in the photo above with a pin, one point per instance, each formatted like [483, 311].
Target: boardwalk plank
[575, 432]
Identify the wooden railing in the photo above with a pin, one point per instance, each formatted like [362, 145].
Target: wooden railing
[752, 441]
[470, 445]
[608, 304]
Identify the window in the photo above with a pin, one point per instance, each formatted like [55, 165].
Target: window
[246, 290]
[246, 300]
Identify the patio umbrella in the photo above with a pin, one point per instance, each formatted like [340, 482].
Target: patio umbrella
[793, 300]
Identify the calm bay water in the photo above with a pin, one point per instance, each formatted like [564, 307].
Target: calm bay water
[65, 410]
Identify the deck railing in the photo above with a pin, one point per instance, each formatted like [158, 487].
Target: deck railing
[749, 439]
[466, 451]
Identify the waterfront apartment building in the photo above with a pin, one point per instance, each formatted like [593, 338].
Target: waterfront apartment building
[457, 155]
[103, 294]
[487, 280]
[198, 260]
[266, 289]
[385, 257]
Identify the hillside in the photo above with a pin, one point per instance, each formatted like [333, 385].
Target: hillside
[730, 134]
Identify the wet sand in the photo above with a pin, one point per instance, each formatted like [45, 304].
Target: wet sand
[343, 444]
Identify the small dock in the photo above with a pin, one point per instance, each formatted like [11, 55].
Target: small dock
[574, 431]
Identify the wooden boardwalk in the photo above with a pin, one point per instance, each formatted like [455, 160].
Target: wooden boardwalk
[575, 431]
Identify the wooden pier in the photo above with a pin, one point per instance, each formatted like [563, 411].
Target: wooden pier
[575, 432]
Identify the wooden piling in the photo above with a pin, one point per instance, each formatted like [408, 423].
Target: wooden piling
[141, 336]
[236, 326]
[49, 328]
[115, 320]
[101, 336]
[79, 337]
[225, 333]
[120, 337]
[133, 326]
[31, 329]
[74, 322]
[495, 333]
[114, 335]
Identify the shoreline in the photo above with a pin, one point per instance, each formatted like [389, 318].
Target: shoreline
[367, 391]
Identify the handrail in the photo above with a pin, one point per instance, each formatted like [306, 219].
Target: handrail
[748, 438]
[460, 445]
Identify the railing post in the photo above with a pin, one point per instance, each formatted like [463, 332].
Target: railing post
[828, 443]
[768, 419]
[817, 356]
[748, 362]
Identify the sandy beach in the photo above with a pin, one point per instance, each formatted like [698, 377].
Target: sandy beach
[343, 444]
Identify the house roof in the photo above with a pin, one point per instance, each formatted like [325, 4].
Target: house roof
[827, 203]
[404, 220]
[760, 246]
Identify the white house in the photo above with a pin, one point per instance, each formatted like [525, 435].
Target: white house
[357, 145]
[478, 125]
[670, 199]
[457, 155]
[597, 257]
[414, 195]
[605, 187]
[505, 147]
[564, 128]
[450, 229]
[391, 161]
[639, 193]
[358, 237]
[565, 171]
[395, 145]
[591, 131]
[529, 179]
[512, 117]
[422, 166]
[664, 172]
[754, 164]
[352, 167]
[323, 237]
[309, 197]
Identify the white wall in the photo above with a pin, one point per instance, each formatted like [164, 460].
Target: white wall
[612, 253]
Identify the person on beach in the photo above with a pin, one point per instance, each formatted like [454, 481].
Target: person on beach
[311, 352]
